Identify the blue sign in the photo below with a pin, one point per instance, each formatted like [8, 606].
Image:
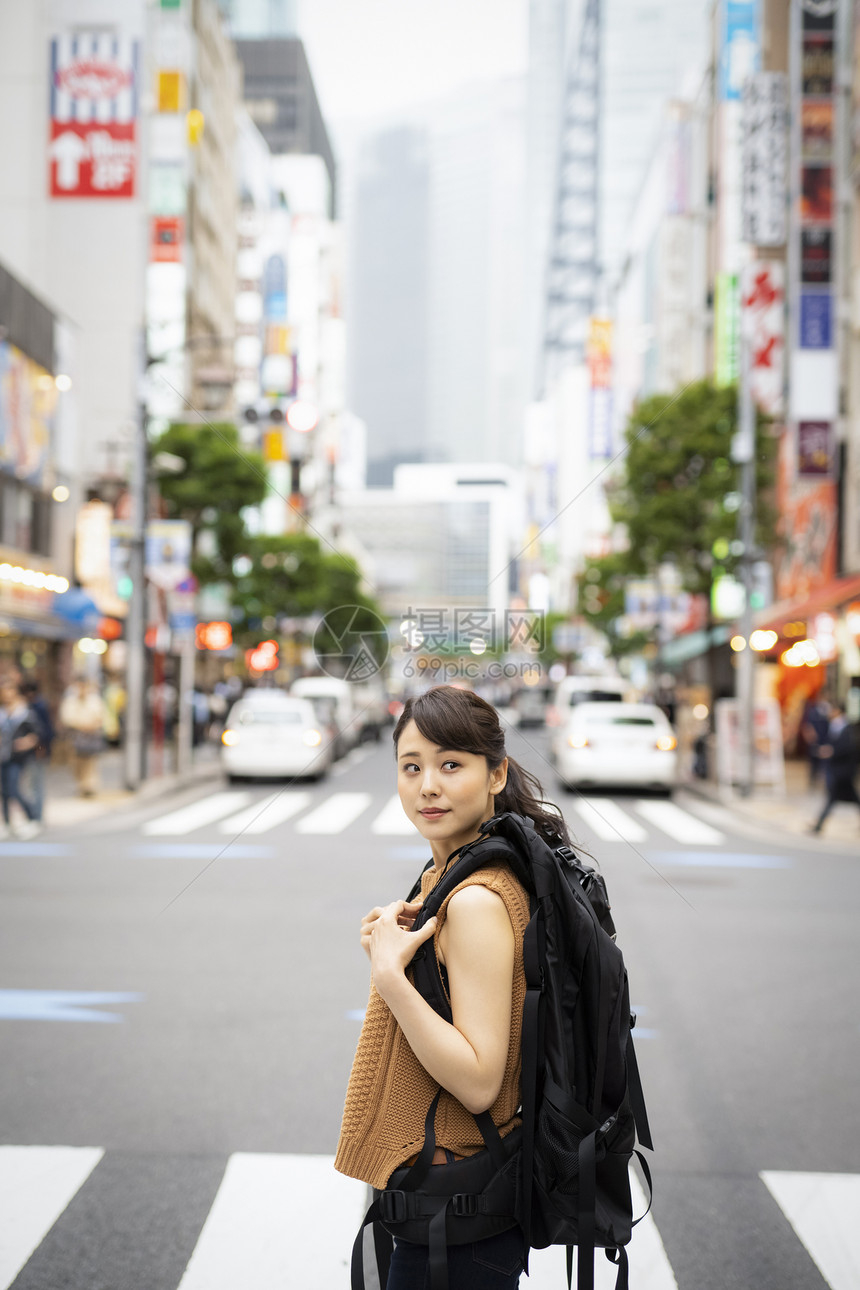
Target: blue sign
[740, 55]
[816, 314]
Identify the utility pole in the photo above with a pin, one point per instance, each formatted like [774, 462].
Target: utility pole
[135, 725]
[743, 453]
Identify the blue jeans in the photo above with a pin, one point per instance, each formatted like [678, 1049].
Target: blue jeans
[35, 781]
[10, 786]
[492, 1264]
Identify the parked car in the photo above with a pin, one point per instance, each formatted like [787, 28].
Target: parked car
[573, 690]
[619, 744]
[340, 694]
[274, 739]
[530, 703]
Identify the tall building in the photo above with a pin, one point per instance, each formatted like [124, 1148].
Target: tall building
[280, 97]
[647, 50]
[387, 299]
[72, 201]
[436, 282]
[476, 393]
[37, 487]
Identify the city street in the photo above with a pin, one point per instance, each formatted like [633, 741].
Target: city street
[181, 989]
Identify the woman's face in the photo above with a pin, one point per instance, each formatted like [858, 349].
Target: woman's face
[446, 793]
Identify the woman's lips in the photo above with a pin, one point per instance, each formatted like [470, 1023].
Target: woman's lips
[433, 813]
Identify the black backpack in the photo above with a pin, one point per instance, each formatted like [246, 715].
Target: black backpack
[562, 1176]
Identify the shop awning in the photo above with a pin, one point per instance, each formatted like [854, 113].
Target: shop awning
[691, 645]
[802, 608]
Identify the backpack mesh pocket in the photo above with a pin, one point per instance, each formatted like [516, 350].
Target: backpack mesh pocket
[559, 1141]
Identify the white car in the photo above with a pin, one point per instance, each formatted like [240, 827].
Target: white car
[624, 745]
[573, 690]
[274, 740]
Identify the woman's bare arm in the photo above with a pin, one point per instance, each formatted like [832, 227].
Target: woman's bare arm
[477, 941]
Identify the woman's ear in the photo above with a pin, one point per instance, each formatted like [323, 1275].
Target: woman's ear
[499, 777]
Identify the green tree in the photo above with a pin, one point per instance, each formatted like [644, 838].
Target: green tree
[601, 600]
[678, 496]
[294, 576]
[679, 492]
[221, 478]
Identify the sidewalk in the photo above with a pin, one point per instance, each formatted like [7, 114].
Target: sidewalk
[794, 812]
[63, 805]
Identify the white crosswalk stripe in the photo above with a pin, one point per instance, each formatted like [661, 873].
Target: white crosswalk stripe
[393, 819]
[278, 1220]
[603, 816]
[205, 811]
[36, 1185]
[679, 824]
[266, 813]
[335, 813]
[823, 1210]
[606, 818]
[281, 1220]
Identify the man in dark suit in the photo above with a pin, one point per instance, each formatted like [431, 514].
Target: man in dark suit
[839, 758]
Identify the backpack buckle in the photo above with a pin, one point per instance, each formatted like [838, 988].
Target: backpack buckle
[393, 1207]
[464, 1205]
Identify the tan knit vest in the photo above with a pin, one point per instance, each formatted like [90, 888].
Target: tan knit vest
[389, 1090]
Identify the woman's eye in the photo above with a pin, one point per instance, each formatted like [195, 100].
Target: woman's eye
[451, 763]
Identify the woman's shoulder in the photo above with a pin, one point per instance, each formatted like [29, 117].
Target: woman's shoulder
[496, 882]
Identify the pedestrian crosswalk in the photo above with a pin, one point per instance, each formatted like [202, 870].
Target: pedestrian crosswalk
[281, 1220]
[36, 1185]
[233, 814]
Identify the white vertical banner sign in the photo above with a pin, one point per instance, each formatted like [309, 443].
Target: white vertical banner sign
[763, 327]
[764, 158]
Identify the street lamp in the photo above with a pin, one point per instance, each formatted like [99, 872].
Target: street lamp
[139, 475]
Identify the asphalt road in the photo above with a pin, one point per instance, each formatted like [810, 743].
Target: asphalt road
[180, 999]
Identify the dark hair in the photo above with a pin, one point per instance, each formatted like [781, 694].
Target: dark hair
[454, 718]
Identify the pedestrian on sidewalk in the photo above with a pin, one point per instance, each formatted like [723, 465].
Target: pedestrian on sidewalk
[82, 712]
[813, 727]
[19, 739]
[40, 715]
[839, 756]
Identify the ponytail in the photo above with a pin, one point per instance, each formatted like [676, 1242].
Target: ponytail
[523, 795]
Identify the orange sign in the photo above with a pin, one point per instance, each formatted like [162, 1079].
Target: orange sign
[807, 527]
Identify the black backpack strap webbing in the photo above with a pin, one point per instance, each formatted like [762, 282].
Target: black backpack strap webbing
[618, 1257]
[383, 1243]
[492, 1139]
[643, 1163]
[418, 1172]
[637, 1097]
[586, 1217]
[356, 1267]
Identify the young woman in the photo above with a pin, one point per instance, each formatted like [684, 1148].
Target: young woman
[452, 774]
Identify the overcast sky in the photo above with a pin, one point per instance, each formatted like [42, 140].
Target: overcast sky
[377, 59]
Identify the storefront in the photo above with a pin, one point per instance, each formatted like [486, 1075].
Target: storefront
[815, 641]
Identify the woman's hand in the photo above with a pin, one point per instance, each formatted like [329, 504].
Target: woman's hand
[406, 917]
[392, 944]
